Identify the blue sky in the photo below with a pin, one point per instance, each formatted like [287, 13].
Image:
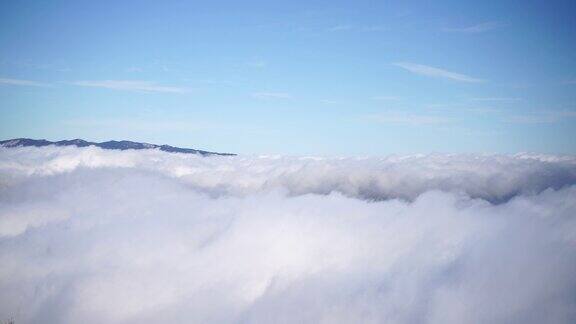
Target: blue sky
[299, 77]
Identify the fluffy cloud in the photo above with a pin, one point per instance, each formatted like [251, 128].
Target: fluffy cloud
[95, 236]
[495, 178]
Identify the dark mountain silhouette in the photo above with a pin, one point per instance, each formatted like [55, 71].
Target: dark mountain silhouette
[110, 145]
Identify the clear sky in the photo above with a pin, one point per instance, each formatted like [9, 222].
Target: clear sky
[293, 77]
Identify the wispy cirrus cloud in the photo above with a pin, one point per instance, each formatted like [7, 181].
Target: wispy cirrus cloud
[136, 124]
[411, 119]
[340, 28]
[57, 66]
[495, 99]
[436, 72]
[21, 82]
[131, 85]
[542, 117]
[356, 28]
[386, 98]
[484, 110]
[271, 95]
[330, 102]
[374, 28]
[259, 64]
[478, 28]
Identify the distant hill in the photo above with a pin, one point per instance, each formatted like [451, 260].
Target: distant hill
[110, 145]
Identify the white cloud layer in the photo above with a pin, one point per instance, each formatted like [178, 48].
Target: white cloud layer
[94, 236]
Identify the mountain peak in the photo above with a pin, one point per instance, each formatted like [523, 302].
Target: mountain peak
[109, 145]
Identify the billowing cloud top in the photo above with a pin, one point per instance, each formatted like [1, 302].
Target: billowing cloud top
[95, 236]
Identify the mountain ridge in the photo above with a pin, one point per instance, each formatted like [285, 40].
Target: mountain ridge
[108, 145]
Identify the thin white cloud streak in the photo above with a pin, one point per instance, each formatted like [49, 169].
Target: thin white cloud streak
[503, 99]
[330, 102]
[340, 28]
[484, 110]
[474, 29]
[548, 117]
[386, 98]
[59, 66]
[131, 85]
[363, 29]
[97, 236]
[408, 119]
[436, 72]
[259, 64]
[271, 95]
[21, 82]
[138, 124]
[375, 28]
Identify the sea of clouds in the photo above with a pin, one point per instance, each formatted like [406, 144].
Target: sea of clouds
[98, 236]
